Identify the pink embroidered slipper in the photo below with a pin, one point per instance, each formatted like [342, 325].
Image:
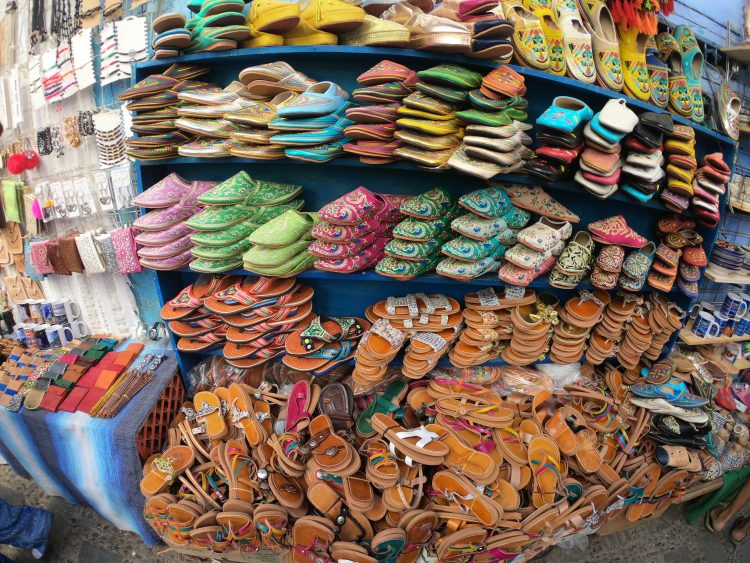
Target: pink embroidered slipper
[164, 218]
[172, 263]
[615, 230]
[160, 238]
[385, 71]
[165, 193]
[335, 251]
[361, 261]
[352, 208]
[166, 251]
[512, 274]
[340, 234]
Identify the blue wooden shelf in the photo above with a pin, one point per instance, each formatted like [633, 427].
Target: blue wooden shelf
[265, 54]
[347, 162]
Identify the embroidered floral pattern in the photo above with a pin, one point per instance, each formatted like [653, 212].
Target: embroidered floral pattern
[531, 45]
[158, 238]
[215, 218]
[125, 250]
[478, 228]
[412, 250]
[467, 270]
[466, 249]
[166, 192]
[430, 205]
[355, 207]
[490, 202]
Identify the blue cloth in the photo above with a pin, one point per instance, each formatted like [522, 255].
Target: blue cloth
[24, 527]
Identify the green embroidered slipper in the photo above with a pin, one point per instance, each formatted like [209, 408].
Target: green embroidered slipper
[450, 95]
[405, 269]
[269, 213]
[452, 76]
[405, 111]
[489, 202]
[430, 205]
[240, 188]
[484, 118]
[225, 237]
[478, 228]
[218, 218]
[216, 266]
[485, 103]
[413, 250]
[285, 229]
[471, 250]
[420, 230]
[267, 257]
[461, 270]
[423, 102]
[222, 252]
[303, 261]
[517, 218]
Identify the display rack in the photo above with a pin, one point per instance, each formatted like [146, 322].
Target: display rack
[350, 294]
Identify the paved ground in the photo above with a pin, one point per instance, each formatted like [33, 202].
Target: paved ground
[80, 535]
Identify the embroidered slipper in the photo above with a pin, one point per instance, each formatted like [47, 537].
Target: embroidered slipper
[429, 205]
[160, 238]
[636, 81]
[383, 72]
[452, 76]
[536, 200]
[240, 188]
[578, 51]
[478, 228]
[615, 230]
[565, 114]
[353, 208]
[490, 203]
[362, 260]
[606, 47]
[529, 42]
[462, 270]
[692, 66]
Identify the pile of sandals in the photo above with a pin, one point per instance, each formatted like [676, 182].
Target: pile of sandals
[476, 464]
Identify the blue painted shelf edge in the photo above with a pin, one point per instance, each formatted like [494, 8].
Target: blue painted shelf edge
[262, 54]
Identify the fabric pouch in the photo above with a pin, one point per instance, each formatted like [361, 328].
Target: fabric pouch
[89, 254]
[126, 250]
[40, 257]
[70, 255]
[11, 197]
[56, 259]
[107, 250]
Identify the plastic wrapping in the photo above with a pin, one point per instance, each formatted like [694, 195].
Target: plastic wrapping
[561, 374]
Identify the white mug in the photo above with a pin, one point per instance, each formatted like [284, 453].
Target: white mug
[79, 329]
[72, 310]
[64, 333]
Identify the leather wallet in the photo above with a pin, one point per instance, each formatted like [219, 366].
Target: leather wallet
[92, 397]
[74, 398]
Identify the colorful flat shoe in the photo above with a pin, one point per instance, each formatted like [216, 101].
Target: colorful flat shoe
[460, 160]
[381, 93]
[636, 267]
[461, 270]
[512, 274]
[429, 158]
[305, 35]
[298, 264]
[161, 238]
[418, 230]
[453, 76]
[225, 237]
[478, 117]
[405, 269]
[178, 246]
[377, 32]
[658, 74]
[222, 253]
[536, 200]
[383, 72]
[529, 42]
[615, 230]
[478, 228]
[376, 114]
[353, 208]
[578, 50]
[692, 67]
[429, 205]
[314, 137]
[633, 54]
[321, 249]
[165, 193]
[427, 104]
[320, 99]
[490, 203]
[287, 228]
[364, 259]
[426, 141]
[333, 16]
[318, 153]
[167, 264]
[565, 114]
[450, 95]
[271, 16]
[240, 188]
[413, 250]
[680, 99]
[606, 47]
[471, 250]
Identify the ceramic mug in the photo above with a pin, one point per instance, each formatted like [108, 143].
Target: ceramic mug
[24, 310]
[734, 306]
[723, 321]
[741, 326]
[705, 325]
[702, 306]
[53, 336]
[40, 336]
[35, 310]
[20, 331]
[66, 307]
[78, 328]
[47, 313]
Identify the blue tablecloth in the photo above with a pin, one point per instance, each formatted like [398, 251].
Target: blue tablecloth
[85, 460]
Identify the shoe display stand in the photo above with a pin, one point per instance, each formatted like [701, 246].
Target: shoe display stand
[350, 294]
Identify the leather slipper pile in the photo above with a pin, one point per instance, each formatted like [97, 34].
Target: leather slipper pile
[600, 163]
[536, 252]
[642, 170]
[489, 325]
[250, 317]
[279, 247]
[311, 472]
[682, 255]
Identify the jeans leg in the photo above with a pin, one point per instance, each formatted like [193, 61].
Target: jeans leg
[24, 527]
